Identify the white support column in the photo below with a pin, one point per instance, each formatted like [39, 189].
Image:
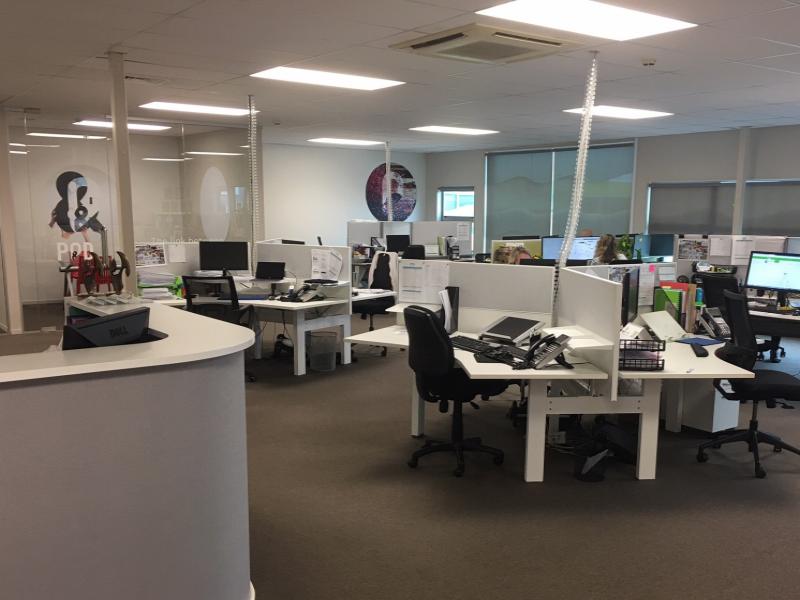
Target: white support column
[122, 163]
[8, 236]
[742, 173]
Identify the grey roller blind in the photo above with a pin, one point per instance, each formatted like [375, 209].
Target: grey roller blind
[691, 208]
[772, 208]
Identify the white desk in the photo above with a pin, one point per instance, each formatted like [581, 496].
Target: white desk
[680, 364]
[300, 317]
[360, 296]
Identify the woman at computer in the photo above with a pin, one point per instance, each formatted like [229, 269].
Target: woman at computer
[606, 251]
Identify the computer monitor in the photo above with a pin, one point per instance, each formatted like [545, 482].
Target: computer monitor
[219, 256]
[298, 242]
[127, 327]
[271, 271]
[661, 244]
[520, 237]
[777, 271]
[550, 262]
[397, 243]
[582, 248]
[630, 295]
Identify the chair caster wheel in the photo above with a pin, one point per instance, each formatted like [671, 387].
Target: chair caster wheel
[498, 460]
[760, 473]
[777, 449]
[251, 379]
[413, 463]
[459, 471]
[702, 457]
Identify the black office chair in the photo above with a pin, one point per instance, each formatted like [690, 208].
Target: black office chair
[768, 386]
[483, 258]
[380, 278]
[430, 356]
[415, 252]
[216, 297]
[714, 288]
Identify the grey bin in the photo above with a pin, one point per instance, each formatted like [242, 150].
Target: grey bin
[322, 350]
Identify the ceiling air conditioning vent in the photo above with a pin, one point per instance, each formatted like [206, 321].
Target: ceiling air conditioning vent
[480, 43]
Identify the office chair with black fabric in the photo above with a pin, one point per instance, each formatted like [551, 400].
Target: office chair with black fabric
[216, 297]
[415, 252]
[768, 386]
[714, 287]
[382, 275]
[430, 356]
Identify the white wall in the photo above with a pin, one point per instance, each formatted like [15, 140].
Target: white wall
[311, 191]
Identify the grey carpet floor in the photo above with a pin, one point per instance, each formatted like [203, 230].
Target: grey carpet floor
[337, 514]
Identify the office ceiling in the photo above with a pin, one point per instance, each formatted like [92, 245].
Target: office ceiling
[740, 67]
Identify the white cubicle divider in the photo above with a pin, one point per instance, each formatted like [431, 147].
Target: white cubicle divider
[427, 233]
[362, 232]
[422, 280]
[489, 291]
[298, 258]
[650, 277]
[395, 228]
[594, 306]
[793, 245]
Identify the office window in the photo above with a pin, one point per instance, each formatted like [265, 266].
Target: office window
[456, 204]
[772, 208]
[529, 193]
[705, 207]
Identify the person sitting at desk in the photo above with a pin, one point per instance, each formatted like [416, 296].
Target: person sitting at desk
[606, 251]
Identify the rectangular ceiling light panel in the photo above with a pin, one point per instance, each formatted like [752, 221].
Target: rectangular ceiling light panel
[326, 78]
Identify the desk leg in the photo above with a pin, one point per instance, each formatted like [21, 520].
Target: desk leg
[535, 439]
[417, 409]
[648, 430]
[674, 405]
[346, 345]
[259, 330]
[299, 343]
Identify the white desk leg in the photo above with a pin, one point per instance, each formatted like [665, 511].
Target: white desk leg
[673, 398]
[299, 342]
[346, 345]
[535, 439]
[648, 430]
[417, 409]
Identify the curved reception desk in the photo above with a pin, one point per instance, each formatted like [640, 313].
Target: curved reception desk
[123, 470]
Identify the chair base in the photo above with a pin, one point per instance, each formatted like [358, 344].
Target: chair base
[459, 448]
[753, 437]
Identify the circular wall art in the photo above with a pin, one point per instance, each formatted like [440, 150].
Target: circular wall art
[404, 193]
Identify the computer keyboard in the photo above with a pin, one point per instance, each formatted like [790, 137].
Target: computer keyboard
[470, 344]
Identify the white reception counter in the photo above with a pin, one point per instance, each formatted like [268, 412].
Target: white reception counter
[123, 471]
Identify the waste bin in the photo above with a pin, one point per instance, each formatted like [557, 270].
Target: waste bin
[322, 350]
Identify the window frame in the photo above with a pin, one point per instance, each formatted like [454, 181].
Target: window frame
[440, 202]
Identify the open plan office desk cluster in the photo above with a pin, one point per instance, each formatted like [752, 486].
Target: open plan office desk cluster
[587, 309]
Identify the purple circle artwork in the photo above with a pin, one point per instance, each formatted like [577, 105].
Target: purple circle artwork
[404, 193]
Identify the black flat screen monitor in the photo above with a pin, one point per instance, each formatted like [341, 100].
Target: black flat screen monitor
[549, 262]
[777, 271]
[298, 242]
[218, 256]
[630, 295]
[271, 271]
[397, 243]
[520, 237]
[128, 327]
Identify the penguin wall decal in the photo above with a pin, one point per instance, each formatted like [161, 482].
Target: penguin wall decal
[60, 216]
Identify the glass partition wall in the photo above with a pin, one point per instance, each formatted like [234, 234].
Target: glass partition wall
[189, 183]
[4, 325]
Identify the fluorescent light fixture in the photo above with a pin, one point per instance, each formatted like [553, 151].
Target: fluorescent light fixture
[16, 144]
[326, 78]
[71, 136]
[344, 142]
[586, 17]
[132, 126]
[197, 108]
[620, 112]
[453, 130]
[17, 152]
[156, 159]
[216, 153]
[19, 145]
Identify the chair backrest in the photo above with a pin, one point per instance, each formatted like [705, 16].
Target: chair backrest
[383, 271]
[203, 297]
[415, 252]
[738, 318]
[714, 287]
[430, 351]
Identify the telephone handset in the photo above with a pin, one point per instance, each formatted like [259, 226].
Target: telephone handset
[548, 349]
[711, 320]
[304, 294]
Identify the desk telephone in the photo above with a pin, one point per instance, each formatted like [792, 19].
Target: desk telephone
[303, 294]
[548, 349]
[541, 353]
[711, 320]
